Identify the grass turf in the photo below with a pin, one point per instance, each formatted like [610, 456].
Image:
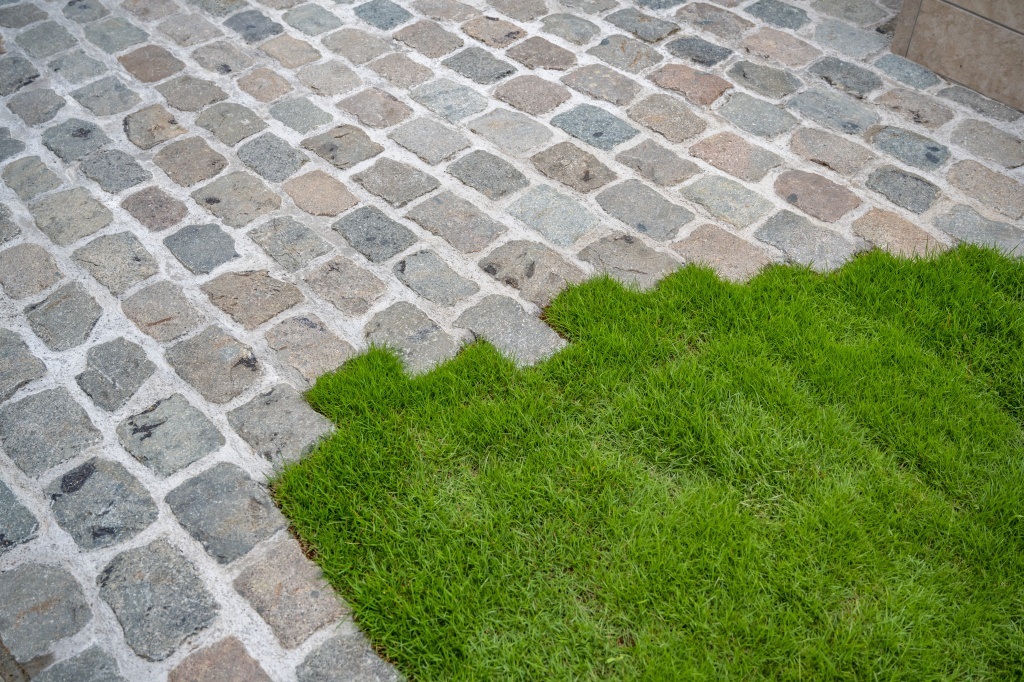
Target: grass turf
[803, 477]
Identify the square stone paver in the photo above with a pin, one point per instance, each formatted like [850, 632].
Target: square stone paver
[65, 318]
[189, 161]
[45, 429]
[271, 157]
[816, 195]
[457, 221]
[187, 93]
[595, 126]
[430, 277]
[237, 198]
[29, 177]
[328, 78]
[216, 364]
[493, 31]
[153, 125]
[222, 57]
[154, 208]
[356, 46]
[100, 504]
[699, 51]
[668, 116]
[189, 30]
[825, 149]
[230, 122]
[42, 605]
[158, 598]
[264, 85]
[401, 71]
[538, 53]
[343, 146]
[418, 340]
[251, 298]
[169, 435]
[757, 116]
[351, 653]
[572, 28]
[311, 19]
[898, 236]
[114, 34]
[538, 272]
[515, 332]
[253, 26]
[571, 166]
[643, 26]
[317, 193]
[226, 660]
[429, 39]
[290, 52]
[396, 182]
[643, 209]
[36, 106]
[382, 14]
[732, 258]
[449, 100]
[806, 243]
[162, 311]
[656, 163]
[26, 270]
[765, 80]
[909, 147]
[117, 261]
[626, 53]
[532, 94]
[373, 234]
[429, 140]
[346, 286]
[991, 143]
[558, 217]
[697, 86]
[904, 189]
[18, 366]
[44, 40]
[376, 108]
[279, 425]
[151, 63]
[736, 156]
[114, 371]
[19, 524]
[73, 139]
[727, 199]
[289, 592]
[514, 132]
[486, 173]
[627, 259]
[113, 170]
[833, 110]
[305, 344]
[601, 82]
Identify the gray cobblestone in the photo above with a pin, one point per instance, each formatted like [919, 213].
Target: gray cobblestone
[629, 260]
[626, 53]
[18, 366]
[698, 51]
[45, 429]
[289, 242]
[826, 149]
[306, 345]
[990, 143]
[806, 243]
[850, 41]
[966, 224]
[189, 161]
[189, 30]
[29, 177]
[19, 16]
[571, 166]
[479, 66]
[401, 71]
[253, 26]
[382, 14]
[417, 339]
[714, 20]
[100, 504]
[281, 427]
[428, 38]
[396, 182]
[39, 604]
[845, 76]
[114, 34]
[727, 199]
[215, 364]
[765, 80]
[778, 13]
[299, 114]
[230, 122]
[274, 159]
[237, 198]
[915, 107]
[458, 221]
[643, 26]
[833, 110]
[187, 93]
[290, 53]
[15, 73]
[488, 174]
[201, 248]
[861, 13]
[904, 189]
[65, 318]
[979, 103]
[161, 311]
[376, 108]
[539, 53]
[449, 99]
[571, 28]
[428, 275]
[251, 298]
[344, 657]
[73, 139]
[18, 524]
[151, 126]
[757, 116]
[345, 285]
[169, 435]
[8, 228]
[493, 31]
[117, 261]
[512, 330]
[9, 146]
[532, 94]
[36, 106]
[356, 46]
[988, 188]
[45, 40]
[906, 71]
[600, 82]
[556, 216]
[594, 126]
[92, 665]
[643, 209]
[157, 597]
[222, 57]
[343, 146]
[429, 140]
[114, 371]
[328, 78]
[114, 170]
[154, 208]
[658, 164]
[537, 271]
[373, 234]
[26, 270]
[910, 148]
[74, 67]
[106, 96]
[311, 19]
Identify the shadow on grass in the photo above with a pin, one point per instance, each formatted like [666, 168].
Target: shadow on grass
[802, 477]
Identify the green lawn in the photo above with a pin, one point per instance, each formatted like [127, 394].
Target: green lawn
[805, 477]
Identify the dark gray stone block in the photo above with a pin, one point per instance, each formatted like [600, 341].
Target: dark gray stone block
[17, 364]
[910, 191]
[114, 371]
[253, 26]
[66, 318]
[201, 248]
[279, 425]
[594, 126]
[39, 606]
[169, 435]
[373, 234]
[17, 524]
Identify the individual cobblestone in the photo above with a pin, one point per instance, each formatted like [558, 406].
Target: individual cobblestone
[850, 41]
[118, 261]
[289, 52]
[73, 139]
[396, 182]
[151, 126]
[626, 53]
[382, 14]
[264, 85]
[230, 123]
[373, 234]
[656, 163]
[553, 214]
[979, 103]
[401, 71]
[735, 156]
[991, 143]
[831, 151]
[189, 30]
[780, 47]
[861, 13]
[988, 188]
[570, 165]
[187, 93]
[19, 16]
[488, 174]
[74, 67]
[805, 243]
[493, 31]
[604, 83]
[346, 286]
[349, 653]
[343, 146]
[253, 26]
[237, 198]
[100, 504]
[215, 364]
[629, 260]
[65, 318]
[251, 298]
[538, 272]
[271, 157]
[8, 146]
[114, 170]
[594, 126]
[376, 108]
[227, 660]
[29, 177]
[904, 189]
[764, 80]
[201, 248]
[317, 193]
[15, 73]
[757, 116]
[698, 51]
[833, 111]
[429, 39]
[845, 76]
[429, 140]
[457, 221]
[18, 367]
[428, 275]
[643, 26]
[539, 53]
[917, 108]
[18, 523]
[222, 57]
[161, 311]
[356, 46]
[151, 63]
[299, 114]
[731, 258]
[449, 100]
[189, 161]
[910, 148]
[154, 208]
[92, 665]
[571, 28]
[39, 604]
[43, 40]
[512, 330]
[643, 209]
[417, 339]
[898, 236]
[906, 71]
[522, 10]
[328, 78]
[281, 427]
[169, 435]
[306, 345]
[44, 430]
[106, 96]
[714, 20]
[727, 199]
[966, 224]
[479, 66]
[26, 270]
[816, 195]
[697, 86]
[532, 94]
[779, 14]
[158, 598]
[114, 34]
[114, 371]
[36, 106]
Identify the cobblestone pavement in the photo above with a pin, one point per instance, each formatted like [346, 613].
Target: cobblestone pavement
[207, 203]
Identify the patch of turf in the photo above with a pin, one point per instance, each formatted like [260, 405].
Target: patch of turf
[805, 477]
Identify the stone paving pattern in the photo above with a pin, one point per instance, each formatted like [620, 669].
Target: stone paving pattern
[208, 203]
